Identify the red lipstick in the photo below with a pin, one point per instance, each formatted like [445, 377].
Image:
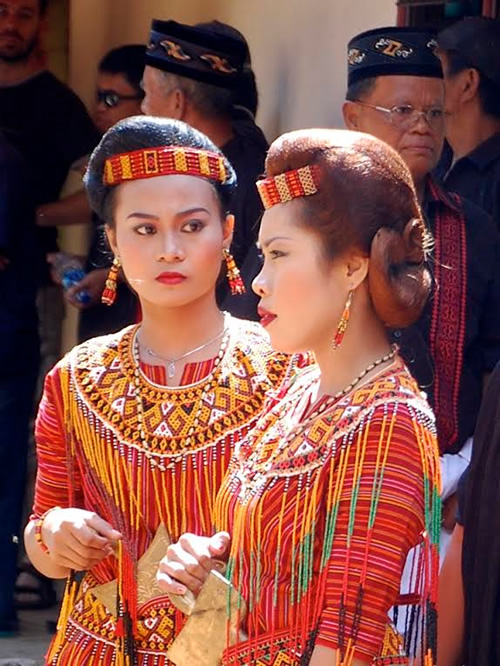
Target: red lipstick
[170, 278]
[266, 317]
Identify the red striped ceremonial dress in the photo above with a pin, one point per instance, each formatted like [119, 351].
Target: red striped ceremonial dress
[149, 459]
[322, 520]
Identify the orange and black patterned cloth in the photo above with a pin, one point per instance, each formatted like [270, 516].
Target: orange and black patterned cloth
[322, 521]
[91, 455]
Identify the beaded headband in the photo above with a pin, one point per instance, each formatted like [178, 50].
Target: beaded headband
[289, 185]
[164, 161]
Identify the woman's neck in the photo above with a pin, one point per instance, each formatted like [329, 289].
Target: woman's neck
[171, 332]
[365, 343]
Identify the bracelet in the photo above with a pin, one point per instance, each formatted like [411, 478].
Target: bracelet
[38, 529]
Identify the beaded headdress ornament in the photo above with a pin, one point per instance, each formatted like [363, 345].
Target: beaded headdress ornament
[164, 161]
[289, 185]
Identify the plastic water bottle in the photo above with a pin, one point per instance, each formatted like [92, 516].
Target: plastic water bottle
[70, 272]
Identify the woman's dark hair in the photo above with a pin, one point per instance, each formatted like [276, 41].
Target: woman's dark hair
[488, 91]
[128, 61]
[366, 199]
[146, 132]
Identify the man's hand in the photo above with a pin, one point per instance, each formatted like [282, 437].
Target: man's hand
[4, 262]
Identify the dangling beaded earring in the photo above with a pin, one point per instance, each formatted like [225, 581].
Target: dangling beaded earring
[109, 294]
[233, 274]
[342, 326]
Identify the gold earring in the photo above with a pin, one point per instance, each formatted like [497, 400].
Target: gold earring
[109, 294]
[342, 325]
[233, 274]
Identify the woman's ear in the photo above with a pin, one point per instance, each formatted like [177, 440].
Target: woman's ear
[227, 230]
[111, 237]
[356, 269]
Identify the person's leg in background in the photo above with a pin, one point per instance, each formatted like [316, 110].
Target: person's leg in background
[16, 406]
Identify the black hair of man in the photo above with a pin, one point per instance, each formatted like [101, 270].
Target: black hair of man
[129, 61]
[474, 43]
[43, 6]
[488, 91]
[360, 90]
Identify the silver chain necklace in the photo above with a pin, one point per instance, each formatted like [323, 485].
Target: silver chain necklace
[172, 361]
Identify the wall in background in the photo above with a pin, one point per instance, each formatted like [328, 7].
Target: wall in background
[298, 48]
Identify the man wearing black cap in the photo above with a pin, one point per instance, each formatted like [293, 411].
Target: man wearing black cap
[396, 92]
[194, 74]
[470, 54]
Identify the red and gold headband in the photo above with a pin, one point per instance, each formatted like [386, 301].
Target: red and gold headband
[289, 185]
[164, 161]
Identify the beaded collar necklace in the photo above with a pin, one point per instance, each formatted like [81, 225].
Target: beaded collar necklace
[210, 383]
[324, 405]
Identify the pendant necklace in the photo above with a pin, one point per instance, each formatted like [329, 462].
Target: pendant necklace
[172, 361]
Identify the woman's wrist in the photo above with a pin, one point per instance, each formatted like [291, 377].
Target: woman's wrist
[39, 538]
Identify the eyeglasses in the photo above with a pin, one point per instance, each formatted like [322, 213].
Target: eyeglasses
[405, 116]
[111, 98]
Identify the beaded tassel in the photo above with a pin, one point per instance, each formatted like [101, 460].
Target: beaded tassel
[109, 294]
[126, 611]
[342, 326]
[233, 274]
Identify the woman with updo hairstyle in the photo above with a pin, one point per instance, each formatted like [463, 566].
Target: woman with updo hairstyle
[340, 477]
[136, 429]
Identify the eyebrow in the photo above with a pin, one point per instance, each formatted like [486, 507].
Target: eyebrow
[182, 213]
[268, 242]
[190, 211]
[143, 216]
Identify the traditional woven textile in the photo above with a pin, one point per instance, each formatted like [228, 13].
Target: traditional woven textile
[91, 455]
[322, 521]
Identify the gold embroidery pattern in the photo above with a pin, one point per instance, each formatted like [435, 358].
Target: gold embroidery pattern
[174, 50]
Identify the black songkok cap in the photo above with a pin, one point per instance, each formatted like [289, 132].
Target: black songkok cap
[477, 40]
[196, 52]
[392, 51]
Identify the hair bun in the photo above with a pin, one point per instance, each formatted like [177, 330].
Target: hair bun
[398, 278]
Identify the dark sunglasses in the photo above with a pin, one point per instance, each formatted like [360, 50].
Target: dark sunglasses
[111, 98]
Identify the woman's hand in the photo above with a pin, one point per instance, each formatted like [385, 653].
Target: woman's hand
[93, 283]
[78, 539]
[189, 561]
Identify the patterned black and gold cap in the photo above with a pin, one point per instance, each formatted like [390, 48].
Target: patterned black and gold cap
[196, 52]
[392, 51]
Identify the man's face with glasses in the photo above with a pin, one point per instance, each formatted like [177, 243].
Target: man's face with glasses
[116, 99]
[407, 112]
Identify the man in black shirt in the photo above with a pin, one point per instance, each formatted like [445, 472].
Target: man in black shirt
[42, 118]
[470, 54]
[396, 93]
[19, 351]
[194, 74]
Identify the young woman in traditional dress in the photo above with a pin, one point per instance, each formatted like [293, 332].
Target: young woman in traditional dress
[340, 478]
[135, 430]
